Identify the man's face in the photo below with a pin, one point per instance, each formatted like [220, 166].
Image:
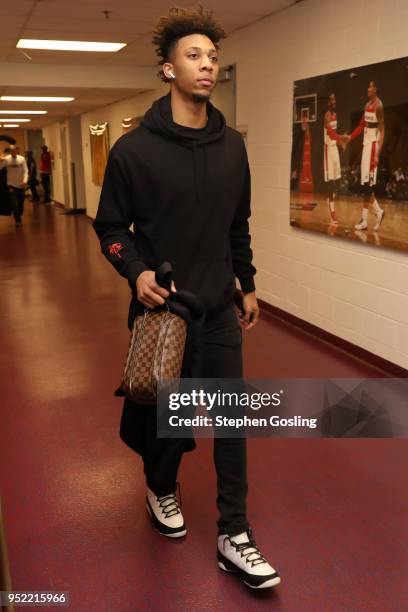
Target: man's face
[195, 64]
[372, 90]
[332, 102]
[13, 153]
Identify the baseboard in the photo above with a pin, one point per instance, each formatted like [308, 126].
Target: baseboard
[384, 366]
[69, 211]
[59, 204]
[74, 211]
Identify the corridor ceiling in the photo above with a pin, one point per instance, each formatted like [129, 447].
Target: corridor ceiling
[94, 79]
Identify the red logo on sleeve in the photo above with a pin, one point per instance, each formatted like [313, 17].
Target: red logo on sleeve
[115, 248]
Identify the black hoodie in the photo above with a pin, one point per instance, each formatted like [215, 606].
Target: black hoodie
[187, 192]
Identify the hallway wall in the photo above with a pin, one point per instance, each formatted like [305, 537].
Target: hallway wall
[52, 138]
[114, 113]
[357, 293]
[75, 156]
[19, 136]
[34, 142]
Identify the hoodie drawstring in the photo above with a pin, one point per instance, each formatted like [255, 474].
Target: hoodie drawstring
[195, 170]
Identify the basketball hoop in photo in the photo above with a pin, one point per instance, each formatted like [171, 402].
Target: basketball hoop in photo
[305, 106]
[305, 112]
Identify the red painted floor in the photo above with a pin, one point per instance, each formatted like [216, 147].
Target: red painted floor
[331, 515]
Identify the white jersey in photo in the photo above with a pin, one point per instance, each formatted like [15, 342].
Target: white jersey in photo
[370, 143]
[331, 160]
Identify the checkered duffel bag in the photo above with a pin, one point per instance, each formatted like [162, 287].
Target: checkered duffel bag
[155, 353]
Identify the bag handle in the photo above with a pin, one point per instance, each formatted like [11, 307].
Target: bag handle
[164, 275]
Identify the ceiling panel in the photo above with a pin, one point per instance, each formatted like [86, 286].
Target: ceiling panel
[233, 21]
[7, 43]
[117, 28]
[258, 7]
[67, 58]
[11, 20]
[130, 21]
[95, 10]
[22, 7]
[142, 5]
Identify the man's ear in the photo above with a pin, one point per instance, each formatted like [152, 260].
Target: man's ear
[168, 70]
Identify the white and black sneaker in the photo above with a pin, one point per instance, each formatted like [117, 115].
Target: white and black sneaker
[239, 554]
[361, 225]
[380, 215]
[166, 514]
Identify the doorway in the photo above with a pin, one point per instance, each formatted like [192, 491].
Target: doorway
[64, 163]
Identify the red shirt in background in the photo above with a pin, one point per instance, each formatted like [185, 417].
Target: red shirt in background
[45, 162]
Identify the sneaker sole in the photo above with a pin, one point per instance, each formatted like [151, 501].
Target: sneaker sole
[232, 569]
[174, 534]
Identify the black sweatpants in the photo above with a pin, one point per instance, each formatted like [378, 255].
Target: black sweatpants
[221, 358]
[17, 202]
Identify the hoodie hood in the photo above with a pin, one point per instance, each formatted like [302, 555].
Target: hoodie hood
[159, 119]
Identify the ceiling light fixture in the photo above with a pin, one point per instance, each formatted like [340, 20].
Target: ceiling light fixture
[15, 120]
[23, 112]
[69, 45]
[36, 99]
[10, 125]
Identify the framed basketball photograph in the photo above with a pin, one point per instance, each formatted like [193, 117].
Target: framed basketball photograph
[349, 164]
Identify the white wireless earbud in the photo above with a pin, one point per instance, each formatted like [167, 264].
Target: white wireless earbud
[173, 76]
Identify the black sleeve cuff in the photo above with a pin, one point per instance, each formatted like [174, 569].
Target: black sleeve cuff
[247, 284]
[134, 269]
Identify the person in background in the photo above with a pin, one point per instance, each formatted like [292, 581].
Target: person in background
[4, 199]
[17, 178]
[32, 176]
[45, 173]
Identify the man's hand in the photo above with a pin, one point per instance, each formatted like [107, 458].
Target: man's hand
[149, 293]
[250, 315]
[344, 140]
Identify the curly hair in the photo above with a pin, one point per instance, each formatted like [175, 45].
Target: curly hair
[181, 22]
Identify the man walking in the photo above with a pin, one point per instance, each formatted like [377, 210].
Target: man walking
[32, 176]
[45, 173]
[182, 178]
[17, 177]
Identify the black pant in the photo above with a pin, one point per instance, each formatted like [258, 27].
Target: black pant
[222, 358]
[17, 202]
[45, 182]
[33, 188]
